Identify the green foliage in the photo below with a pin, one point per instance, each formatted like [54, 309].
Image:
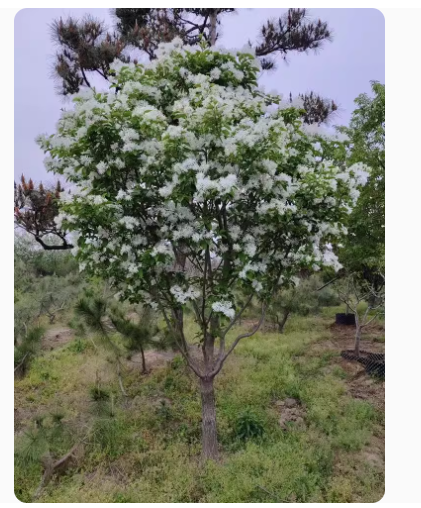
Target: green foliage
[47, 435]
[93, 311]
[97, 393]
[56, 294]
[109, 436]
[54, 263]
[78, 346]
[137, 335]
[26, 348]
[38, 294]
[327, 297]
[163, 412]
[248, 425]
[157, 445]
[364, 245]
[301, 299]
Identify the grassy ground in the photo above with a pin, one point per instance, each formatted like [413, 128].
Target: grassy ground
[146, 448]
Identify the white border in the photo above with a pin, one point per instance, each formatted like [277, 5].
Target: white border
[403, 175]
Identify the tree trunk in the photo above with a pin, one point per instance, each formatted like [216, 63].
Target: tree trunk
[209, 434]
[179, 323]
[212, 30]
[357, 340]
[282, 323]
[372, 301]
[143, 360]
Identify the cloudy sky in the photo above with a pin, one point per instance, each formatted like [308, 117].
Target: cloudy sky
[340, 71]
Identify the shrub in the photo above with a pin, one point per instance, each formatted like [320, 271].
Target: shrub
[97, 393]
[27, 348]
[248, 425]
[328, 297]
[109, 436]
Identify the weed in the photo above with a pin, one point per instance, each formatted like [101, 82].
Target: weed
[109, 436]
[78, 346]
[98, 394]
[248, 425]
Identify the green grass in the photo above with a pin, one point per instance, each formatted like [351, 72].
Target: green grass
[147, 448]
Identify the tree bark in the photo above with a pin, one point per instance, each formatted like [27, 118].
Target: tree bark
[179, 324]
[209, 433]
[143, 360]
[357, 340]
[282, 323]
[212, 31]
[372, 300]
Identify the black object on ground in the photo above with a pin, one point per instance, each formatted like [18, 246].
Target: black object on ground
[374, 363]
[345, 319]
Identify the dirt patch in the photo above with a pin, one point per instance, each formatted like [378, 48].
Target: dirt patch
[366, 388]
[153, 359]
[344, 337]
[133, 316]
[57, 337]
[291, 411]
[359, 384]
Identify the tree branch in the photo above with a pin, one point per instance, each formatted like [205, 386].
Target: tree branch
[237, 340]
[64, 246]
[22, 362]
[185, 356]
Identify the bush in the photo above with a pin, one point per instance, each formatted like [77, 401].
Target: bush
[97, 393]
[56, 263]
[328, 297]
[26, 349]
[164, 412]
[248, 425]
[78, 346]
[109, 436]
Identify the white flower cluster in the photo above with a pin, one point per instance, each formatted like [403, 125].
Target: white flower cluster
[224, 307]
[162, 248]
[204, 169]
[184, 296]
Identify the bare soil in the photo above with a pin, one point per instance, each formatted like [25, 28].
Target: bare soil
[360, 385]
[153, 359]
[291, 411]
[56, 337]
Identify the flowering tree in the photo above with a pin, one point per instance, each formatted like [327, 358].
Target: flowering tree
[189, 164]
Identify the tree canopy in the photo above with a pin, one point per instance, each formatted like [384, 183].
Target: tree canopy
[364, 247]
[181, 161]
[86, 46]
[35, 211]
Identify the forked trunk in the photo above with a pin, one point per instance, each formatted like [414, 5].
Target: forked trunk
[209, 434]
[281, 325]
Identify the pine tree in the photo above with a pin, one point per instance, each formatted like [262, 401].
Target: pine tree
[85, 46]
[35, 210]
